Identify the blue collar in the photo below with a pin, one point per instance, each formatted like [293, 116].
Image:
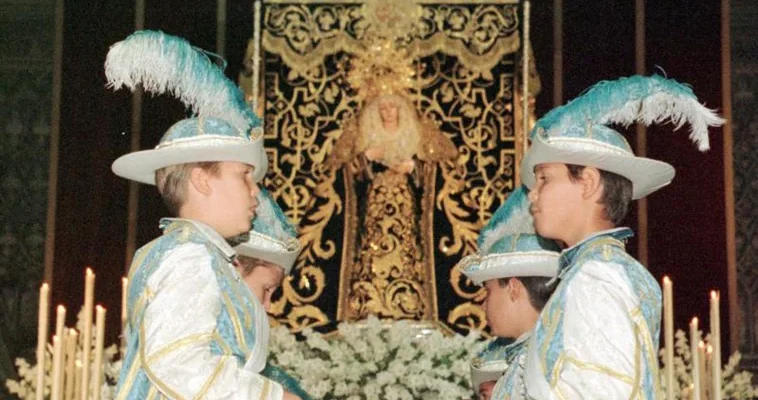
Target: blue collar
[620, 235]
[170, 224]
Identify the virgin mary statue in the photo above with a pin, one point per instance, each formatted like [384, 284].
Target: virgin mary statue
[388, 155]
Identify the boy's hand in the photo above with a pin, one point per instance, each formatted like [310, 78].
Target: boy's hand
[290, 396]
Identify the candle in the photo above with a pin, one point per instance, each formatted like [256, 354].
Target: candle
[256, 51]
[668, 334]
[124, 296]
[77, 378]
[89, 298]
[701, 358]
[57, 355]
[44, 300]
[72, 339]
[695, 362]
[525, 78]
[716, 343]
[99, 336]
[709, 369]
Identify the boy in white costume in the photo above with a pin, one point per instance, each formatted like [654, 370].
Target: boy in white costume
[264, 258]
[597, 337]
[194, 330]
[518, 270]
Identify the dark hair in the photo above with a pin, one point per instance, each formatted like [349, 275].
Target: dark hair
[617, 193]
[536, 287]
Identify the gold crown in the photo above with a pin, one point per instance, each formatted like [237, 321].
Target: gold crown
[382, 67]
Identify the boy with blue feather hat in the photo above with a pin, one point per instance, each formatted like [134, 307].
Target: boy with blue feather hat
[518, 269]
[597, 336]
[265, 256]
[193, 330]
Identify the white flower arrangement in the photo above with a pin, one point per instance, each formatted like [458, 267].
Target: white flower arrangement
[25, 387]
[374, 360]
[735, 384]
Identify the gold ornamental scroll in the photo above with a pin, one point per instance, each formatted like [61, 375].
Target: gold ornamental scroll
[466, 55]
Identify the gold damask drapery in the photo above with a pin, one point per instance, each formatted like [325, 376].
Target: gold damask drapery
[466, 54]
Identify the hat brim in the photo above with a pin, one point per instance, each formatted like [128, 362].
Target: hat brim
[270, 250]
[509, 265]
[490, 371]
[647, 175]
[140, 166]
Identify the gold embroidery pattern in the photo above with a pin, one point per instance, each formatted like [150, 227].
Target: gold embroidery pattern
[465, 55]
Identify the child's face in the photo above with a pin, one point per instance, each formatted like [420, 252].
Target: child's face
[263, 281]
[501, 309]
[234, 195]
[485, 390]
[555, 202]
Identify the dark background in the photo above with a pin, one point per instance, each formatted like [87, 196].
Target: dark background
[686, 220]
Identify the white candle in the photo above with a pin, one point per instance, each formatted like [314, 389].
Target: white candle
[99, 338]
[695, 362]
[124, 315]
[77, 378]
[71, 341]
[256, 52]
[57, 355]
[525, 78]
[701, 358]
[668, 334]
[44, 301]
[716, 343]
[89, 298]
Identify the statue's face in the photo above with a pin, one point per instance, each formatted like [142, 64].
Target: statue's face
[388, 111]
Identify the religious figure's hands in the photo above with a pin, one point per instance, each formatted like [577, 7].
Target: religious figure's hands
[405, 167]
[374, 153]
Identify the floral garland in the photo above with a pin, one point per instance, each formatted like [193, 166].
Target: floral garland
[376, 360]
[373, 359]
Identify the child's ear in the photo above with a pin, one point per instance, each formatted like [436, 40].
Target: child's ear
[592, 184]
[199, 179]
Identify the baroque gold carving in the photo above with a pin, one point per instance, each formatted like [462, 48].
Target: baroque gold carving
[465, 58]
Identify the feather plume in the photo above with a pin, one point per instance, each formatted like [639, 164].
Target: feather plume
[165, 64]
[270, 220]
[647, 100]
[513, 217]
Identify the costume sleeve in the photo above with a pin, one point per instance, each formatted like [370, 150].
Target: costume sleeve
[286, 380]
[179, 327]
[603, 337]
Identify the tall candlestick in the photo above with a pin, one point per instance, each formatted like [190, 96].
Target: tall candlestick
[60, 332]
[44, 301]
[124, 315]
[77, 378]
[89, 299]
[716, 343]
[525, 78]
[57, 355]
[256, 52]
[99, 337]
[695, 362]
[668, 334]
[72, 339]
[701, 358]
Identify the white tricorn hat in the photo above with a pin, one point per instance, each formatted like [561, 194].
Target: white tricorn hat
[273, 238]
[509, 246]
[576, 133]
[224, 129]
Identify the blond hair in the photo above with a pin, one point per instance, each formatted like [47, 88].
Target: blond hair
[398, 146]
[172, 181]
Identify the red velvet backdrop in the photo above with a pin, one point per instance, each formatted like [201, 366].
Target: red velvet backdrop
[686, 220]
